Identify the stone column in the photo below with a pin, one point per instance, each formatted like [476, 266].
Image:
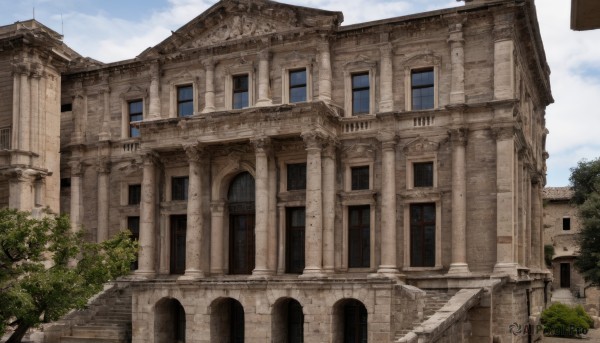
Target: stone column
[217, 247]
[209, 96]
[314, 206]
[457, 53]
[272, 221]
[195, 222]
[329, 188]
[20, 189]
[389, 248]
[505, 205]
[154, 106]
[264, 96]
[34, 121]
[386, 103]
[79, 109]
[503, 57]
[147, 259]
[76, 172]
[105, 131]
[325, 73]
[459, 202]
[537, 256]
[25, 110]
[261, 146]
[103, 200]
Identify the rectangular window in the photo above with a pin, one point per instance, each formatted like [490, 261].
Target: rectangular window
[185, 100]
[65, 183]
[422, 85]
[359, 236]
[240, 92]
[133, 224]
[422, 235]
[294, 249]
[134, 194]
[179, 188]
[566, 223]
[136, 111]
[360, 178]
[423, 174]
[296, 176]
[297, 85]
[178, 234]
[360, 94]
[66, 107]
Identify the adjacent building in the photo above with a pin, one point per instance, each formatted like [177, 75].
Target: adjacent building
[291, 179]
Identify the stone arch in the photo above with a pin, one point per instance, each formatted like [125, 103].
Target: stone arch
[349, 321]
[223, 178]
[287, 321]
[169, 321]
[227, 322]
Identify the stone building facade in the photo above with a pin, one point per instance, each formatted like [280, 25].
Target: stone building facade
[290, 179]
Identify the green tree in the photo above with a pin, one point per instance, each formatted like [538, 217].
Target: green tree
[585, 179]
[47, 270]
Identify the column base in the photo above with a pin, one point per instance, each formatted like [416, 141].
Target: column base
[144, 274]
[312, 273]
[508, 268]
[191, 275]
[458, 269]
[263, 102]
[259, 274]
[209, 109]
[386, 106]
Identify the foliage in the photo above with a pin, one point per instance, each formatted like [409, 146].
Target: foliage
[548, 254]
[46, 269]
[585, 179]
[564, 321]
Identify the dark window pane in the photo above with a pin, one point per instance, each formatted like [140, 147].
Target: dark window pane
[242, 189]
[423, 174]
[133, 224]
[359, 236]
[178, 234]
[136, 110]
[240, 91]
[65, 182]
[135, 194]
[422, 83]
[355, 322]
[236, 328]
[566, 223]
[295, 322]
[298, 85]
[296, 176]
[295, 237]
[185, 101]
[179, 188]
[66, 107]
[422, 235]
[360, 94]
[360, 178]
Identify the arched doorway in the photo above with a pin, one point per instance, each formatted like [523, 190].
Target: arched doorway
[350, 322]
[241, 224]
[227, 321]
[169, 322]
[287, 321]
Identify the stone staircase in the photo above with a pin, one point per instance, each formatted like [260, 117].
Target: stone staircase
[107, 320]
[434, 300]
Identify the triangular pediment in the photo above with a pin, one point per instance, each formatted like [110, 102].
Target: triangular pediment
[231, 20]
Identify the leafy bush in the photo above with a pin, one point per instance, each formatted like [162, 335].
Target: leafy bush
[548, 254]
[563, 321]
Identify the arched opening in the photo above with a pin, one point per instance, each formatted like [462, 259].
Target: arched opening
[350, 321]
[227, 321]
[287, 321]
[169, 322]
[241, 224]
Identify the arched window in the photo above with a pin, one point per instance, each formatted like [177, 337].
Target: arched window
[169, 322]
[350, 322]
[288, 322]
[227, 321]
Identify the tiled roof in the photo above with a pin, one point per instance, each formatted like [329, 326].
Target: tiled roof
[558, 193]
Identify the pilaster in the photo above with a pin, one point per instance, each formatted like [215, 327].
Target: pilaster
[103, 169]
[154, 106]
[457, 53]
[329, 193]
[264, 97]
[76, 198]
[386, 103]
[262, 146]
[209, 96]
[325, 72]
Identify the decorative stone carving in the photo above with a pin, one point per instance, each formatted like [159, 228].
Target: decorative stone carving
[503, 132]
[420, 145]
[360, 150]
[103, 166]
[76, 168]
[313, 140]
[261, 144]
[194, 152]
[459, 136]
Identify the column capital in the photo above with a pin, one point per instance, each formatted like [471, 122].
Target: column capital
[386, 50]
[150, 157]
[21, 69]
[314, 140]
[388, 139]
[459, 136]
[503, 132]
[209, 63]
[265, 54]
[330, 147]
[195, 152]
[217, 207]
[76, 168]
[323, 44]
[262, 144]
[103, 166]
[36, 70]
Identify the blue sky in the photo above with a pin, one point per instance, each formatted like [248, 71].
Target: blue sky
[111, 30]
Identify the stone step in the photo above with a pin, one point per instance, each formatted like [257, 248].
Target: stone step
[99, 332]
[76, 339]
